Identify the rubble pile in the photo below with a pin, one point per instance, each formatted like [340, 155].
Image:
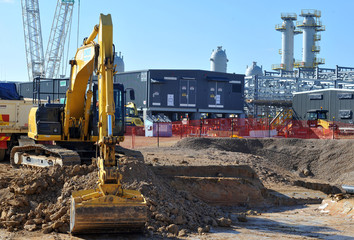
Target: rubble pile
[39, 199]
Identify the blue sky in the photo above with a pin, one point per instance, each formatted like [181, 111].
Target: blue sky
[181, 34]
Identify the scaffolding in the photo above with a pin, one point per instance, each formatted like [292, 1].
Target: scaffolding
[272, 92]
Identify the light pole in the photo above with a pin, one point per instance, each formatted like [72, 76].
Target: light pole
[333, 128]
[232, 127]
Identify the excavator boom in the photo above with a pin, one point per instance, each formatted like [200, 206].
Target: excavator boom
[109, 207]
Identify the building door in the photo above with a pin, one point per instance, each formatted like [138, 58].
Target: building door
[156, 94]
[216, 98]
[188, 93]
[219, 101]
[183, 93]
[192, 93]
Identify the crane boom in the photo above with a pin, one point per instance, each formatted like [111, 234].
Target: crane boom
[37, 64]
[33, 38]
[58, 33]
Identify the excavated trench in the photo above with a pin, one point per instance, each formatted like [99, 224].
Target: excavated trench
[216, 185]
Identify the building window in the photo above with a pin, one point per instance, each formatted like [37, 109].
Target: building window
[345, 96]
[236, 88]
[345, 114]
[316, 96]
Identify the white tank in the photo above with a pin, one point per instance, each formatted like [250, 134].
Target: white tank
[118, 60]
[218, 60]
[254, 70]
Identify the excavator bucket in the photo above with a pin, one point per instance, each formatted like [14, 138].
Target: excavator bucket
[92, 212]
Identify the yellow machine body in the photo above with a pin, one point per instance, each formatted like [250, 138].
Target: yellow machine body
[131, 115]
[76, 113]
[33, 128]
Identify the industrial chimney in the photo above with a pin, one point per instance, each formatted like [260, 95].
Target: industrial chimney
[310, 26]
[287, 28]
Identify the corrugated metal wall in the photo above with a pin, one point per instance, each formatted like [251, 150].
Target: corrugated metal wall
[337, 102]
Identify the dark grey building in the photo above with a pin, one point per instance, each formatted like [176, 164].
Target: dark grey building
[55, 88]
[179, 92]
[338, 102]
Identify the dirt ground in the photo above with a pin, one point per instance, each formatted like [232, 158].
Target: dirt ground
[200, 188]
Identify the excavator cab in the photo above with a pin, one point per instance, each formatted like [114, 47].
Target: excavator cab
[119, 99]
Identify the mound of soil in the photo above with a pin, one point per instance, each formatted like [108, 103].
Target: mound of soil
[35, 199]
[327, 160]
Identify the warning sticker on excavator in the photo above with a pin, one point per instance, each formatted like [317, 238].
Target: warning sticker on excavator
[4, 119]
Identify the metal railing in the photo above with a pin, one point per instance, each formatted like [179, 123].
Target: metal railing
[279, 27]
[278, 66]
[316, 48]
[317, 37]
[317, 24]
[319, 61]
[310, 12]
[291, 16]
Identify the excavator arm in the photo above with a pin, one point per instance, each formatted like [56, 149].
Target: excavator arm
[108, 207]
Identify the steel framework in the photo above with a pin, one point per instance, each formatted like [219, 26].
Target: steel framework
[37, 65]
[58, 33]
[272, 92]
[33, 38]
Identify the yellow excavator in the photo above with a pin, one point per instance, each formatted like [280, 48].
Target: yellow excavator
[109, 207]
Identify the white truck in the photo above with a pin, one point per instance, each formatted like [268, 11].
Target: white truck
[13, 117]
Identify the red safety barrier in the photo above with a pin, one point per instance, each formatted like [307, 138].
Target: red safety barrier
[243, 128]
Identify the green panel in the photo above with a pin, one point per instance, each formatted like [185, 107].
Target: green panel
[62, 83]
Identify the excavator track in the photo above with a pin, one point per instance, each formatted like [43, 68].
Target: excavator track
[40, 155]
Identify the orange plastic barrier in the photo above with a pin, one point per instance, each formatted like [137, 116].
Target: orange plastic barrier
[249, 128]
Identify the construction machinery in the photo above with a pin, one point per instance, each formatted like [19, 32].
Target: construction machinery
[317, 118]
[72, 126]
[14, 112]
[132, 117]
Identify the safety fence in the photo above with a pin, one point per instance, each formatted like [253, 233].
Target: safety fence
[242, 128]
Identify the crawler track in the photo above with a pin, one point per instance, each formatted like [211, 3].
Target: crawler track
[43, 155]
